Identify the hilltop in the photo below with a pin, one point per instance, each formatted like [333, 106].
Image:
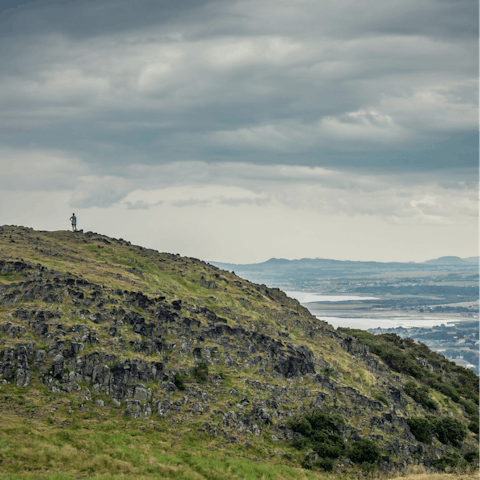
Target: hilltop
[122, 360]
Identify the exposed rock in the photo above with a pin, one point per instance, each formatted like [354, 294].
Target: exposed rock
[295, 365]
[88, 395]
[261, 415]
[58, 364]
[142, 393]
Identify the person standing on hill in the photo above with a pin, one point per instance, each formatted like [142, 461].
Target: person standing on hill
[73, 219]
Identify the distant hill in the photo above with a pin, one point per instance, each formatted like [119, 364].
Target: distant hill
[446, 261]
[472, 259]
[312, 263]
[280, 271]
[341, 264]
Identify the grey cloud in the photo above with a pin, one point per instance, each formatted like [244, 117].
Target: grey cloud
[235, 202]
[344, 19]
[86, 18]
[38, 169]
[438, 19]
[341, 110]
[191, 202]
[397, 200]
[99, 192]
[160, 82]
[140, 205]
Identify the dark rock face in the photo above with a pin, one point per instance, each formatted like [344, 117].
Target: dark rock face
[395, 397]
[138, 299]
[294, 366]
[118, 381]
[58, 364]
[12, 331]
[358, 350]
[207, 284]
[17, 267]
[261, 415]
[39, 360]
[197, 353]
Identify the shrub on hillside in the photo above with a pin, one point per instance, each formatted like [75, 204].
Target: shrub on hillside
[469, 406]
[473, 426]
[320, 433]
[180, 381]
[447, 390]
[401, 355]
[452, 459]
[471, 456]
[450, 431]
[422, 428]
[307, 464]
[364, 451]
[300, 443]
[420, 395]
[469, 385]
[200, 372]
[398, 353]
[325, 464]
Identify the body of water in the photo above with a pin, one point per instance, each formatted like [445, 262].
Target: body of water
[307, 297]
[364, 323]
[374, 320]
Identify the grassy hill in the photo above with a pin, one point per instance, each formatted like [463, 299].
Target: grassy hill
[121, 361]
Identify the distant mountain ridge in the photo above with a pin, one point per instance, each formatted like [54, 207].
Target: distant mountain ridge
[306, 269]
[447, 261]
[303, 263]
[430, 282]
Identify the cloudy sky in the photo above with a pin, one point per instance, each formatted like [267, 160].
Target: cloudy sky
[240, 130]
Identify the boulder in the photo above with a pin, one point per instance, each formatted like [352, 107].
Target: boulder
[58, 364]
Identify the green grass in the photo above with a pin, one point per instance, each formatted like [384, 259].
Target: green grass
[9, 277]
[381, 398]
[120, 449]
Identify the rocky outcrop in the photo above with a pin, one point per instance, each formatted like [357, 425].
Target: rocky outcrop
[300, 362]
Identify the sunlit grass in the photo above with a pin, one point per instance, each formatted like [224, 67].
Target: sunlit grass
[122, 450]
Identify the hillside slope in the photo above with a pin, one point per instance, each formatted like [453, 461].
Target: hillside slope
[177, 368]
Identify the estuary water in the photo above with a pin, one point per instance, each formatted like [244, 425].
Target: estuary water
[369, 319]
[366, 323]
[307, 297]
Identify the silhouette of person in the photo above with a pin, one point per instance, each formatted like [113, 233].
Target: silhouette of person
[73, 219]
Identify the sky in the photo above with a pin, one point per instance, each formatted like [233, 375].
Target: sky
[240, 130]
